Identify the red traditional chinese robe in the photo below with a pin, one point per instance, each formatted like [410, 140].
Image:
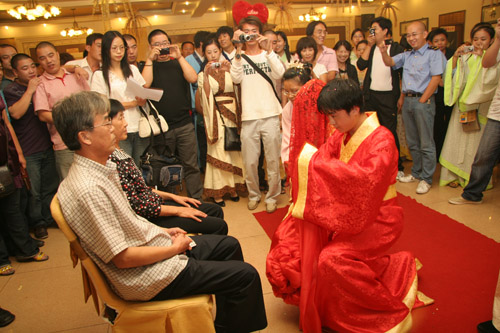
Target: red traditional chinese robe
[328, 254]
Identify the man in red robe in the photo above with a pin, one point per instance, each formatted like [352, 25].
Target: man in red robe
[328, 254]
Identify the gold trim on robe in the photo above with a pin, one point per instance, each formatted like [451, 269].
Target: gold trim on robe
[303, 169]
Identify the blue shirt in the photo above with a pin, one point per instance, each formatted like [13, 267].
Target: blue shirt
[194, 86]
[419, 66]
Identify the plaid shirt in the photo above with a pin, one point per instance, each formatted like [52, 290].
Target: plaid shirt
[98, 211]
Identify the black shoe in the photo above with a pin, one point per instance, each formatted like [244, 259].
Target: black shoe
[41, 232]
[6, 317]
[486, 327]
[39, 243]
[220, 203]
[235, 199]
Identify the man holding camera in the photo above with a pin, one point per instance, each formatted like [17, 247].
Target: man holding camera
[260, 108]
[166, 69]
[381, 86]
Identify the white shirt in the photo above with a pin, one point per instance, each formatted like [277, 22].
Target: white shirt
[83, 63]
[120, 93]
[319, 69]
[381, 74]
[494, 111]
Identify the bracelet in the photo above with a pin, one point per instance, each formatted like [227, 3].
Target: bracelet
[148, 65]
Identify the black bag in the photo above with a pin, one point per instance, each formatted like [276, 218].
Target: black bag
[232, 140]
[7, 186]
[159, 166]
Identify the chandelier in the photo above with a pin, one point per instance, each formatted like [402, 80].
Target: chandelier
[312, 15]
[75, 30]
[32, 10]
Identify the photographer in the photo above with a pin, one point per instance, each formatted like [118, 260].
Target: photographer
[167, 69]
[260, 108]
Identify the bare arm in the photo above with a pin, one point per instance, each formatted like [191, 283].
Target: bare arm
[189, 73]
[147, 255]
[431, 88]
[19, 108]
[490, 57]
[45, 116]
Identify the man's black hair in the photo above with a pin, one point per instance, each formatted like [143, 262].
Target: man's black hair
[18, 57]
[92, 38]
[225, 30]
[199, 38]
[311, 26]
[384, 23]
[340, 94]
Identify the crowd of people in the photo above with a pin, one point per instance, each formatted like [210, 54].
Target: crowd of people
[75, 123]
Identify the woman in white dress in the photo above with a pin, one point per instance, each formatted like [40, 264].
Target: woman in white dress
[217, 98]
[469, 87]
[111, 81]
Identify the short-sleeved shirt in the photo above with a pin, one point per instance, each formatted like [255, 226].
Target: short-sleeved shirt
[97, 210]
[419, 66]
[494, 111]
[119, 92]
[175, 102]
[32, 133]
[51, 90]
[83, 63]
[329, 59]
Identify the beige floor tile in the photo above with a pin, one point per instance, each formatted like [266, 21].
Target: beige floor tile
[281, 317]
[103, 328]
[47, 301]
[255, 250]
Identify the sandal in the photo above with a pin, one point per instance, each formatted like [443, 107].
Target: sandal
[40, 256]
[7, 270]
[453, 184]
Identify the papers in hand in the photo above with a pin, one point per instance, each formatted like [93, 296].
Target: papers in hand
[136, 89]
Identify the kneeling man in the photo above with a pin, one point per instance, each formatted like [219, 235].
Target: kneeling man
[141, 260]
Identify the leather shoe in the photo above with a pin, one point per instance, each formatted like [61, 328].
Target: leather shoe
[220, 203]
[487, 327]
[41, 232]
[6, 317]
[235, 199]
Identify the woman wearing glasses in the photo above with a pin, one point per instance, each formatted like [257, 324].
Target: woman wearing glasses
[111, 81]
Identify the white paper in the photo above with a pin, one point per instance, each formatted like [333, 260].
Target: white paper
[134, 88]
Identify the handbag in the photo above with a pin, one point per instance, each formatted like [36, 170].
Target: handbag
[151, 122]
[232, 141]
[7, 186]
[160, 167]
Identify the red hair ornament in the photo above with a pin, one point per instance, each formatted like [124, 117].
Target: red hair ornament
[242, 9]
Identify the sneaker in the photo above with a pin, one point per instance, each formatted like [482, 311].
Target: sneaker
[407, 179]
[400, 175]
[41, 232]
[252, 204]
[271, 207]
[461, 201]
[423, 187]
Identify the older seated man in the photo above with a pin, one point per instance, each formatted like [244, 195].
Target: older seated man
[141, 260]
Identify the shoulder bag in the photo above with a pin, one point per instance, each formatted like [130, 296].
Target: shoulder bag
[232, 140]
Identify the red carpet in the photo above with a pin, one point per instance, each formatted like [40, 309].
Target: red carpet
[460, 267]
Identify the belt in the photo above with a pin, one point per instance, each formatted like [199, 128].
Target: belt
[411, 94]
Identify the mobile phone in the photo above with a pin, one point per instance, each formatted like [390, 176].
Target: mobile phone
[165, 51]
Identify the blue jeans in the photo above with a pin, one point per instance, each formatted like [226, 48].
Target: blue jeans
[135, 146]
[14, 228]
[486, 157]
[44, 180]
[419, 126]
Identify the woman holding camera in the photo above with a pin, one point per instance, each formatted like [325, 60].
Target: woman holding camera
[307, 51]
[217, 100]
[111, 81]
[470, 88]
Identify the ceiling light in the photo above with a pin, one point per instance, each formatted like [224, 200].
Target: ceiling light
[75, 30]
[312, 15]
[32, 10]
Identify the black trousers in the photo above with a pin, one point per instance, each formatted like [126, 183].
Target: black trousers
[216, 266]
[385, 103]
[212, 224]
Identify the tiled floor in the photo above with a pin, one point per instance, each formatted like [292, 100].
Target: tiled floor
[48, 296]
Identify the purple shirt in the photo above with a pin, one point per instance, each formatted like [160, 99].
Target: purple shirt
[32, 133]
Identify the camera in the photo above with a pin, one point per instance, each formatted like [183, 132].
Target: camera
[468, 49]
[246, 38]
[215, 65]
[372, 31]
[165, 51]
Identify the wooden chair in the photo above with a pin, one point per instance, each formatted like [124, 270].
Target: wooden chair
[187, 315]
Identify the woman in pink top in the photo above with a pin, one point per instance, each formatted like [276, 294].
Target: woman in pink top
[326, 55]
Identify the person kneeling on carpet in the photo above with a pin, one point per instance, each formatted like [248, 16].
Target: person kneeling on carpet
[164, 209]
[326, 255]
[140, 260]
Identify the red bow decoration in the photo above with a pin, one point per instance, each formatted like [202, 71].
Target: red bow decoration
[242, 9]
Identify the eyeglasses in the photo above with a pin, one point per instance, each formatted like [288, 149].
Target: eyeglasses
[290, 93]
[165, 43]
[107, 123]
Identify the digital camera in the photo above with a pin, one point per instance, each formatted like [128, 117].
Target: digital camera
[165, 51]
[469, 48]
[246, 38]
[215, 65]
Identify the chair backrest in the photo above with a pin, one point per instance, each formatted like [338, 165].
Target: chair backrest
[97, 278]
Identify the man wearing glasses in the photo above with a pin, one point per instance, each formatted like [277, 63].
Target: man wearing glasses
[166, 69]
[422, 69]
